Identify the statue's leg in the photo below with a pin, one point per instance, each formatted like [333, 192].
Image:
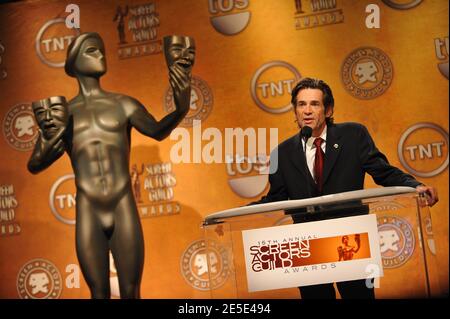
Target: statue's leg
[127, 247]
[92, 249]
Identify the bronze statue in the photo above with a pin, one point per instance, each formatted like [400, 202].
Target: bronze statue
[97, 140]
[180, 50]
[347, 251]
[52, 118]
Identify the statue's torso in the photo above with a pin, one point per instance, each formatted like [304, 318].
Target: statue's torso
[100, 147]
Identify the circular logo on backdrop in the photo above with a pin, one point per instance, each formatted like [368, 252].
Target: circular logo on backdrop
[272, 85]
[194, 265]
[367, 73]
[396, 240]
[228, 17]
[62, 199]
[19, 127]
[201, 102]
[382, 206]
[402, 5]
[423, 149]
[39, 279]
[53, 40]
[248, 176]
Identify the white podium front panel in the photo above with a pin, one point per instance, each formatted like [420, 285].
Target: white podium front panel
[406, 247]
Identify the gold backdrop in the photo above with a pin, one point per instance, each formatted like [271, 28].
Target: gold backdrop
[392, 78]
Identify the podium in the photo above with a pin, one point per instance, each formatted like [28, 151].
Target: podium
[403, 244]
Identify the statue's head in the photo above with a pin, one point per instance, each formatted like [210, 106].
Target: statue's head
[345, 240]
[51, 115]
[179, 50]
[86, 56]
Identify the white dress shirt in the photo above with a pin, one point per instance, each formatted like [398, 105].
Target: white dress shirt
[311, 149]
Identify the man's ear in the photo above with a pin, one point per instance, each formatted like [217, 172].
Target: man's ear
[329, 112]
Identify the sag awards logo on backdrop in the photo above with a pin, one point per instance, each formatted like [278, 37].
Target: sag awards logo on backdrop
[248, 177]
[194, 265]
[52, 41]
[39, 279]
[157, 181]
[367, 73]
[316, 13]
[423, 149]
[8, 203]
[441, 49]
[19, 127]
[272, 85]
[397, 241]
[3, 72]
[228, 16]
[402, 5]
[137, 30]
[201, 102]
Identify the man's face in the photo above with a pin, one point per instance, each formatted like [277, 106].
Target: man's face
[90, 60]
[51, 115]
[310, 110]
[179, 50]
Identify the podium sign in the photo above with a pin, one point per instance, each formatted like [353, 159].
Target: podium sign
[313, 253]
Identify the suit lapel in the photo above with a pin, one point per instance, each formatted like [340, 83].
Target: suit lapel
[333, 148]
[297, 157]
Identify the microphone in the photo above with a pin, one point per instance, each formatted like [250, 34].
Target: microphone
[306, 132]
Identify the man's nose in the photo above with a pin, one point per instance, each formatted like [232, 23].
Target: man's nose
[307, 109]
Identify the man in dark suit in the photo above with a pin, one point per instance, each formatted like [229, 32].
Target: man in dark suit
[337, 158]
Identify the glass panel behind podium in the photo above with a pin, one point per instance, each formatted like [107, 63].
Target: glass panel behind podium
[403, 234]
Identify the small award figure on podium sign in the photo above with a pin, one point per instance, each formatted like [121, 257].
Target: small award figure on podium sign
[346, 252]
[97, 138]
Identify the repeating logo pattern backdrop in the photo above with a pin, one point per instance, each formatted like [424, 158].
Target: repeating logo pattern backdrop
[250, 54]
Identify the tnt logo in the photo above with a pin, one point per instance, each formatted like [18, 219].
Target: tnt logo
[423, 149]
[272, 85]
[52, 41]
[228, 16]
[62, 199]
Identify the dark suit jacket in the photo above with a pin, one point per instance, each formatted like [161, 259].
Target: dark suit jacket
[350, 153]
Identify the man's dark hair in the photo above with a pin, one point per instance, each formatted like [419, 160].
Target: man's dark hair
[310, 83]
